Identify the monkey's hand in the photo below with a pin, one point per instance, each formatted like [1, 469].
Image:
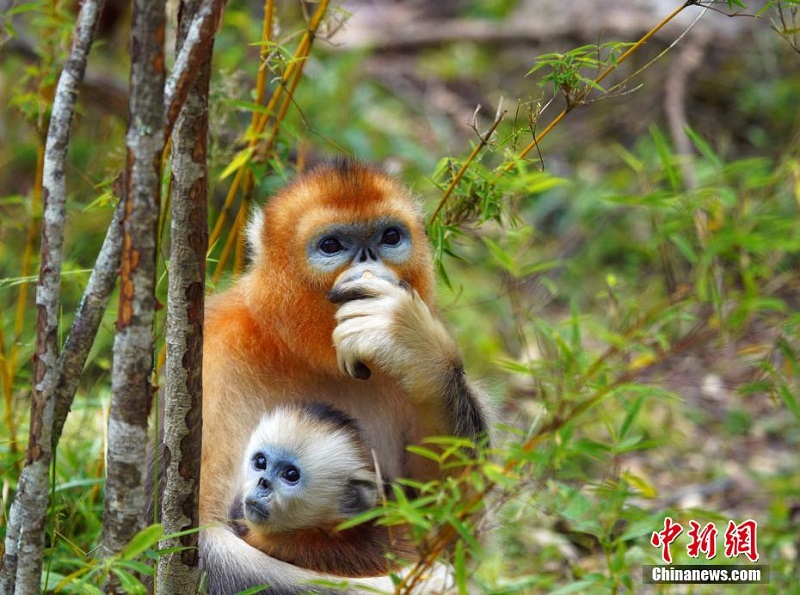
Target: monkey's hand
[388, 325]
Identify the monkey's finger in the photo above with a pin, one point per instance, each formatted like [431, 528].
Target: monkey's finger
[355, 368]
[337, 295]
[359, 289]
[379, 310]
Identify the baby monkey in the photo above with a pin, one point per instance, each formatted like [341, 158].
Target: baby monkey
[306, 470]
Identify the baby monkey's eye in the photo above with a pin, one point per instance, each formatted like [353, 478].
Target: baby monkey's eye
[391, 236]
[290, 474]
[259, 462]
[330, 245]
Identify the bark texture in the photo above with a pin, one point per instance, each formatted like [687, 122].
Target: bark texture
[131, 385]
[25, 535]
[179, 572]
[195, 42]
[87, 322]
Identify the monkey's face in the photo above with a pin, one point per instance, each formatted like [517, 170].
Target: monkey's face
[276, 486]
[340, 221]
[337, 222]
[300, 474]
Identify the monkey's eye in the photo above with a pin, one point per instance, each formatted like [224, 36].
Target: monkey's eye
[260, 462]
[391, 236]
[330, 245]
[290, 474]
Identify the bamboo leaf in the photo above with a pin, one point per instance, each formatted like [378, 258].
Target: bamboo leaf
[238, 162]
[143, 540]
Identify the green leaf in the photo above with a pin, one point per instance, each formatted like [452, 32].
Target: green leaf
[239, 161]
[790, 400]
[685, 248]
[460, 567]
[631, 417]
[641, 485]
[145, 539]
[704, 148]
[466, 533]
[136, 566]
[503, 258]
[424, 452]
[667, 160]
[130, 584]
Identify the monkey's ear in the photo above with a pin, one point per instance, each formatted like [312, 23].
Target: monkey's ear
[360, 494]
[254, 231]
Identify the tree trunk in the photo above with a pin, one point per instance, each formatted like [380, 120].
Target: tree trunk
[25, 535]
[179, 572]
[131, 386]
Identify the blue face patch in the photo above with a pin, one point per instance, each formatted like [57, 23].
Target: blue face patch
[339, 245]
[279, 467]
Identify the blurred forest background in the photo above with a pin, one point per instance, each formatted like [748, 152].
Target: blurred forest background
[627, 286]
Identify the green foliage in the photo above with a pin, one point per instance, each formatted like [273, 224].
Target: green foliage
[125, 567]
[574, 73]
[635, 308]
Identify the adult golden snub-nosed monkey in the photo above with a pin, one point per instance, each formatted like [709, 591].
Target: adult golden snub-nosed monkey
[337, 307]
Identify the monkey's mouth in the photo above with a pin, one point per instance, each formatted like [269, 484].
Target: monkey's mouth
[256, 510]
[364, 271]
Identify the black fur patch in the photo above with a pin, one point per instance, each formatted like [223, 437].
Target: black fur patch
[330, 415]
[236, 517]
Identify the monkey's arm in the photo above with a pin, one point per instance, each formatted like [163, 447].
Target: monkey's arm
[233, 566]
[389, 326]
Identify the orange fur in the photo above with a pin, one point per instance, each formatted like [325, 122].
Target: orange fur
[286, 289]
[268, 338]
[268, 341]
[356, 552]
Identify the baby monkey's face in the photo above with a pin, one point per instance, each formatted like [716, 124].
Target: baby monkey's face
[275, 497]
[303, 475]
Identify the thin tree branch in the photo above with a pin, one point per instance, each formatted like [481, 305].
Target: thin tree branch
[484, 140]
[131, 386]
[87, 322]
[192, 54]
[22, 563]
[291, 75]
[601, 77]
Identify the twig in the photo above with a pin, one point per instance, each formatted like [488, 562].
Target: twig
[446, 534]
[789, 31]
[608, 70]
[191, 55]
[267, 26]
[286, 85]
[627, 54]
[87, 321]
[660, 55]
[22, 562]
[484, 140]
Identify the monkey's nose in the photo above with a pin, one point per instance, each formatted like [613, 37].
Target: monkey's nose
[366, 255]
[264, 483]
